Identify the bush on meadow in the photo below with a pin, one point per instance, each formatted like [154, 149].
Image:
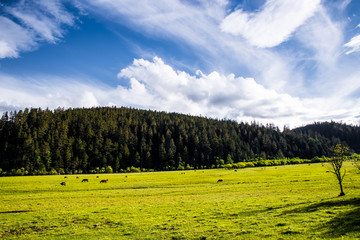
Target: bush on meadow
[239, 165]
[133, 169]
[188, 167]
[108, 169]
[180, 167]
[250, 164]
[228, 166]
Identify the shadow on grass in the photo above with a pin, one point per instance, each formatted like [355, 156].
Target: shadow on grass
[343, 223]
[18, 211]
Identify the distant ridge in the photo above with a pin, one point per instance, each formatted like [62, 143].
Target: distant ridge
[347, 134]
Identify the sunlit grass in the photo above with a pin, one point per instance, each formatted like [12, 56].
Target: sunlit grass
[287, 202]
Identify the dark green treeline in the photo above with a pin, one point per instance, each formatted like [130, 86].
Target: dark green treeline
[83, 139]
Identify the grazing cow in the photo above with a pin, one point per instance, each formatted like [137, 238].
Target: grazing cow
[104, 181]
[65, 177]
[77, 177]
[85, 180]
[63, 184]
[97, 176]
[220, 180]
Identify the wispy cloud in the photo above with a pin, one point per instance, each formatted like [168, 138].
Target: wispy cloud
[45, 92]
[197, 28]
[27, 23]
[13, 38]
[323, 37]
[178, 20]
[274, 24]
[353, 44]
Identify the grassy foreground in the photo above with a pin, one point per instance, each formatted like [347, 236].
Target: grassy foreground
[284, 202]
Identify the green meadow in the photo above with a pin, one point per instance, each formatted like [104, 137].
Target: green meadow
[283, 202]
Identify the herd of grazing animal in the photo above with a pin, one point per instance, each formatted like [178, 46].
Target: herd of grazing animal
[106, 180]
[86, 180]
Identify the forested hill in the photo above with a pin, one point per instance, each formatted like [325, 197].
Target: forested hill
[84, 139]
[332, 130]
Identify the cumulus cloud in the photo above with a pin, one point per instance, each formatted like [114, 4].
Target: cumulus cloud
[156, 85]
[26, 23]
[274, 24]
[353, 44]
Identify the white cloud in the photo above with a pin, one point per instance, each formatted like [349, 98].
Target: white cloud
[324, 37]
[13, 38]
[274, 24]
[157, 86]
[273, 97]
[353, 44]
[88, 99]
[27, 23]
[315, 38]
[196, 28]
[221, 96]
[183, 20]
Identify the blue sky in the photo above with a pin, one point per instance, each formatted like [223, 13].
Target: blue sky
[286, 62]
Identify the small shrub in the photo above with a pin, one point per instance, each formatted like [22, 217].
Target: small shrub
[315, 159]
[188, 167]
[250, 164]
[180, 167]
[134, 169]
[109, 169]
[18, 173]
[228, 166]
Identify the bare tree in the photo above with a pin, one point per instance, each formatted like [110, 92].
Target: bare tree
[339, 152]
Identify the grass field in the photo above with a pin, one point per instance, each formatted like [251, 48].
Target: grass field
[284, 202]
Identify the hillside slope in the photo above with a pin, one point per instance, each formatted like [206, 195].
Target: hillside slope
[83, 139]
